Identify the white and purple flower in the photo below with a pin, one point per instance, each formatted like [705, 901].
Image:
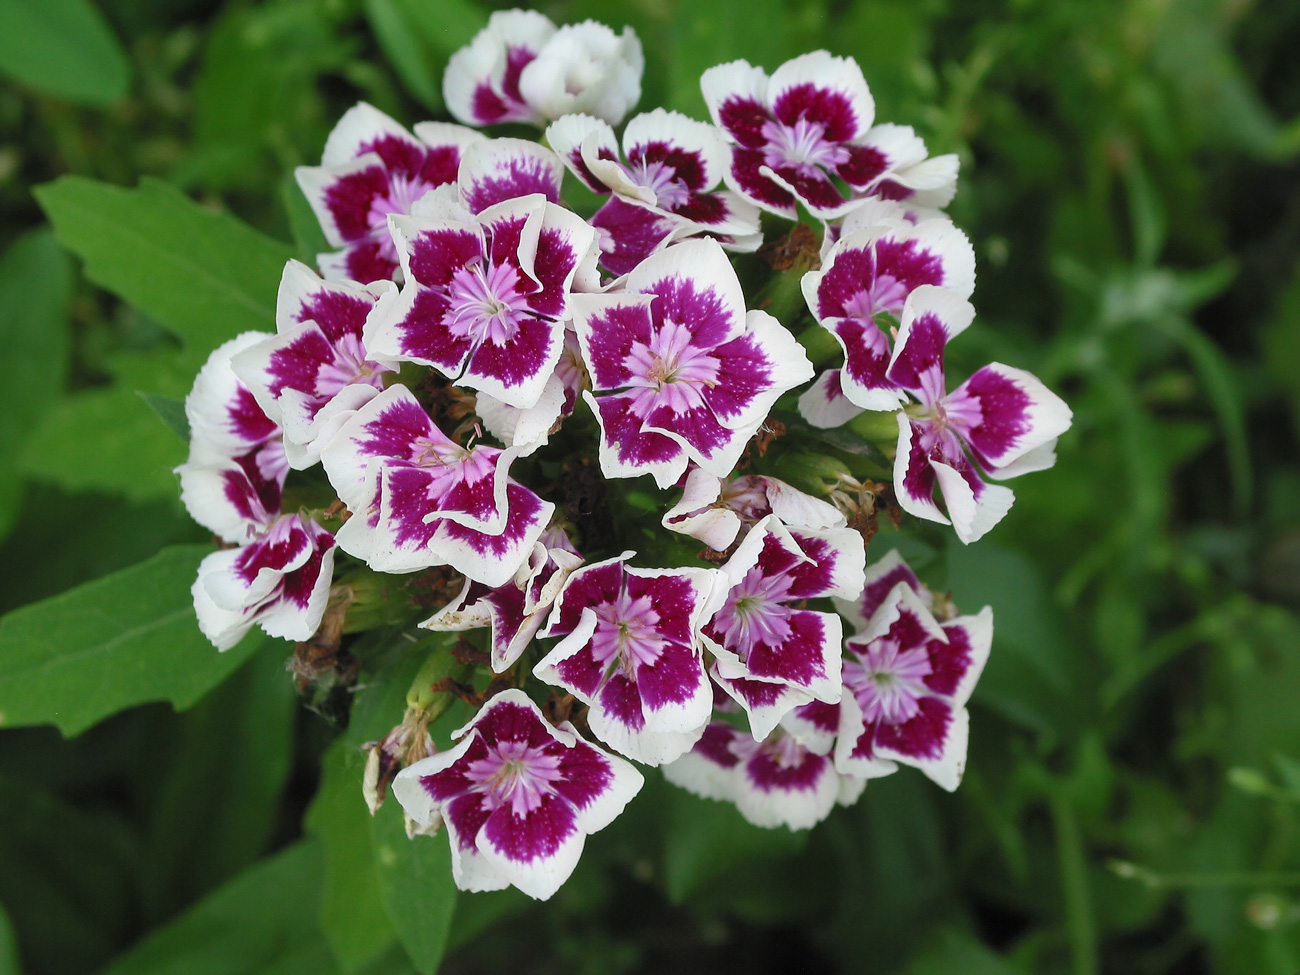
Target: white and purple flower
[419, 499]
[521, 68]
[313, 374]
[770, 654]
[689, 376]
[907, 680]
[1001, 422]
[518, 797]
[714, 509]
[665, 191]
[773, 782]
[797, 132]
[371, 167]
[486, 296]
[232, 481]
[873, 271]
[516, 610]
[631, 650]
[280, 581]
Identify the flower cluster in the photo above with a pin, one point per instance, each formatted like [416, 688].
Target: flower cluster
[457, 402]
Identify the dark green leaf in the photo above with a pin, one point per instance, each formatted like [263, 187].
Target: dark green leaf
[261, 923]
[8, 946]
[406, 52]
[67, 879]
[63, 48]
[235, 744]
[416, 886]
[110, 644]
[304, 225]
[35, 289]
[106, 440]
[351, 910]
[204, 275]
[171, 412]
[705, 839]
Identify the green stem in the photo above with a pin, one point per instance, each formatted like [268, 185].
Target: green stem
[1074, 886]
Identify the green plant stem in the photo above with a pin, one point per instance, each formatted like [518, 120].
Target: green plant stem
[1074, 887]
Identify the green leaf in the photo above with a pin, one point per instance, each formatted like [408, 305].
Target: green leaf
[106, 440]
[35, 291]
[205, 276]
[307, 234]
[68, 876]
[261, 923]
[414, 876]
[1030, 677]
[954, 950]
[705, 840]
[1220, 384]
[8, 946]
[418, 37]
[63, 48]
[111, 644]
[352, 910]
[235, 744]
[409, 57]
[415, 884]
[171, 412]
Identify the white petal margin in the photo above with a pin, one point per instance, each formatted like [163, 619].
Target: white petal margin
[953, 312]
[972, 513]
[483, 60]
[684, 133]
[735, 79]
[696, 514]
[771, 805]
[979, 634]
[824, 405]
[578, 137]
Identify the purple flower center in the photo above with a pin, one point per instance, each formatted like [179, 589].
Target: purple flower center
[670, 371]
[669, 189]
[888, 681]
[802, 147]
[754, 614]
[944, 420]
[403, 191]
[515, 774]
[884, 293]
[485, 305]
[625, 635]
[350, 365]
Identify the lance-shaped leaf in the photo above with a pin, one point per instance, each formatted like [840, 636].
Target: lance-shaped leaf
[111, 644]
[206, 276]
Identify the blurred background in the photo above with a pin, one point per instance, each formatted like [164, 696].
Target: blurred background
[1131, 185]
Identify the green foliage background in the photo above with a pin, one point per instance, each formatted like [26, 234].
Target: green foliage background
[1130, 182]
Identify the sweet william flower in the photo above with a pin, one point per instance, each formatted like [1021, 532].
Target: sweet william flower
[516, 610]
[714, 509]
[280, 581]
[372, 166]
[1001, 422]
[486, 295]
[631, 650]
[681, 373]
[873, 271]
[770, 653]
[521, 68]
[796, 132]
[773, 782]
[666, 189]
[419, 499]
[315, 372]
[907, 680]
[232, 481]
[518, 797]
